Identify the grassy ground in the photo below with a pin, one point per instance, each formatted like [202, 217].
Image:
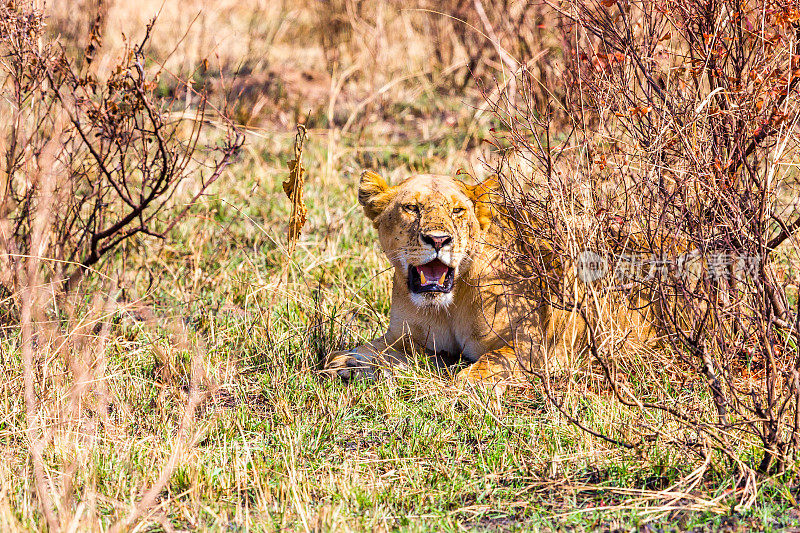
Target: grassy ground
[277, 446]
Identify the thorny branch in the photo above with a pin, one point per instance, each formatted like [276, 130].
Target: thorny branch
[682, 166]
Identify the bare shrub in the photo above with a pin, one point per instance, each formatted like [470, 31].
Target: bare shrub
[123, 153]
[679, 178]
[86, 164]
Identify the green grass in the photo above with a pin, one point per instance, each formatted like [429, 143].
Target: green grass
[278, 446]
[282, 447]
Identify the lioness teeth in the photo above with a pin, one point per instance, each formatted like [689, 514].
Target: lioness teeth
[422, 277]
[441, 281]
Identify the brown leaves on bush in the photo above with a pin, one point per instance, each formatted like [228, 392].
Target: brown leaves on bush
[123, 152]
[690, 110]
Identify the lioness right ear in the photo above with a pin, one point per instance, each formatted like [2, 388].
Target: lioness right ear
[373, 194]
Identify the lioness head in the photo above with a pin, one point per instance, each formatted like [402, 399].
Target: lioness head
[429, 227]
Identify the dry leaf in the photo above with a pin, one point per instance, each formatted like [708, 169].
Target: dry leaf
[293, 187]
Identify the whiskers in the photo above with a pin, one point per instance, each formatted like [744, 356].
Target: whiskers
[469, 258]
[399, 253]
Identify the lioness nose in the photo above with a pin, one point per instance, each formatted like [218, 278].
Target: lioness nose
[437, 240]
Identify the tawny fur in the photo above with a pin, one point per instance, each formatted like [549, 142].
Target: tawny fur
[503, 333]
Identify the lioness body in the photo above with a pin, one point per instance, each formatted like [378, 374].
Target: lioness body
[438, 227]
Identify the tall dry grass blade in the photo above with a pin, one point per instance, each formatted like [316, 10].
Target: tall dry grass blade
[45, 176]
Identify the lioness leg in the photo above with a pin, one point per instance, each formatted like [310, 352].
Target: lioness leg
[492, 368]
[364, 360]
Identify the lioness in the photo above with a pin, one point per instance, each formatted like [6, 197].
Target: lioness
[450, 294]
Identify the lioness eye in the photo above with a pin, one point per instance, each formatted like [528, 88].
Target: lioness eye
[411, 208]
[458, 210]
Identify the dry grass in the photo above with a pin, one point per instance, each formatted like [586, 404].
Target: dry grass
[185, 393]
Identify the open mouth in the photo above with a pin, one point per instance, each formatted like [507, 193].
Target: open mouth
[431, 277]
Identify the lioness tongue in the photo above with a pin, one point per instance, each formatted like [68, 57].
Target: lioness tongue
[433, 272]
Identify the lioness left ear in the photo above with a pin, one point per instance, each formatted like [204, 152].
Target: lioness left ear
[484, 196]
[373, 194]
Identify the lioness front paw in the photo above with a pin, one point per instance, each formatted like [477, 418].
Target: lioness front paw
[471, 376]
[348, 365]
[484, 374]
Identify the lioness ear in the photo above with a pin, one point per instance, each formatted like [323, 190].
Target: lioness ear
[484, 196]
[373, 194]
